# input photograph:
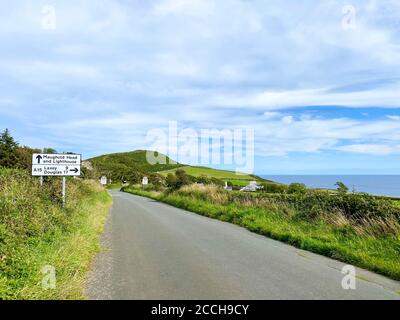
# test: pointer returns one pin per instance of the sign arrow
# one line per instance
(74, 170)
(39, 157)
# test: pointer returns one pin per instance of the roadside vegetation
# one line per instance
(359, 229)
(38, 235)
(36, 231)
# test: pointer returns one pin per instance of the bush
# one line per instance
(209, 180)
(274, 188)
(309, 205)
(297, 188)
(182, 179)
(342, 188)
(203, 179)
(179, 179)
(171, 181)
(352, 205)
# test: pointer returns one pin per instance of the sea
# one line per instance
(387, 185)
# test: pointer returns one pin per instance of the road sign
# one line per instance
(56, 164)
(103, 180)
(62, 159)
(55, 170)
(145, 181)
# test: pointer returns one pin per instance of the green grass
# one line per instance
(129, 161)
(215, 173)
(36, 231)
(114, 186)
(239, 183)
(380, 253)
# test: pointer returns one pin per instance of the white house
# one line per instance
(251, 187)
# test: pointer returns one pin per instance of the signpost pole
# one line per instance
(41, 180)
(63, 190)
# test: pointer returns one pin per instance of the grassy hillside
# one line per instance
(131, 166)
(123, 165)
(235, 178)
(37, 232)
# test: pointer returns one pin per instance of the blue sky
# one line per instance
(320, 91)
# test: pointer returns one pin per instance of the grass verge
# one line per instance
(335, 236)
(35, 232)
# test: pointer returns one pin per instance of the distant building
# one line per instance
(226, 187)
(251, 187)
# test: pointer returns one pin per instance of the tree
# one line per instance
(24, 157)
(8, 150)
(50, 150)
(342, 188)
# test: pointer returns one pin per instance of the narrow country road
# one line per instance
(155, 251)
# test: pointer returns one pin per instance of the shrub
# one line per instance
(338, 209)
(182, 179)
(203, 179)
(297, 188)
(274, 187)
(171, 181)
(342, 188)
(212, 193)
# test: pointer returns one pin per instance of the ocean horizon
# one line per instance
(386, 185)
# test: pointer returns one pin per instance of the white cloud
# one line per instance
(373, 149)
(183, 7)
(271, 114)
(387, 97)
(287, 119)
(128, 66)
(395, 118)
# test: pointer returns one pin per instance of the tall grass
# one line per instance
(358, 229)
(35, 231)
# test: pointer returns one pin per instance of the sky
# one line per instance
(317, 82)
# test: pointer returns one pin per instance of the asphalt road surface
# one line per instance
(155, 251)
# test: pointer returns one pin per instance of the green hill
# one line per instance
(132, 165)
(124, 165)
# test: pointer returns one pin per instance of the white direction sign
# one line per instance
(103, 180)
(56, 164)
(145, 181)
